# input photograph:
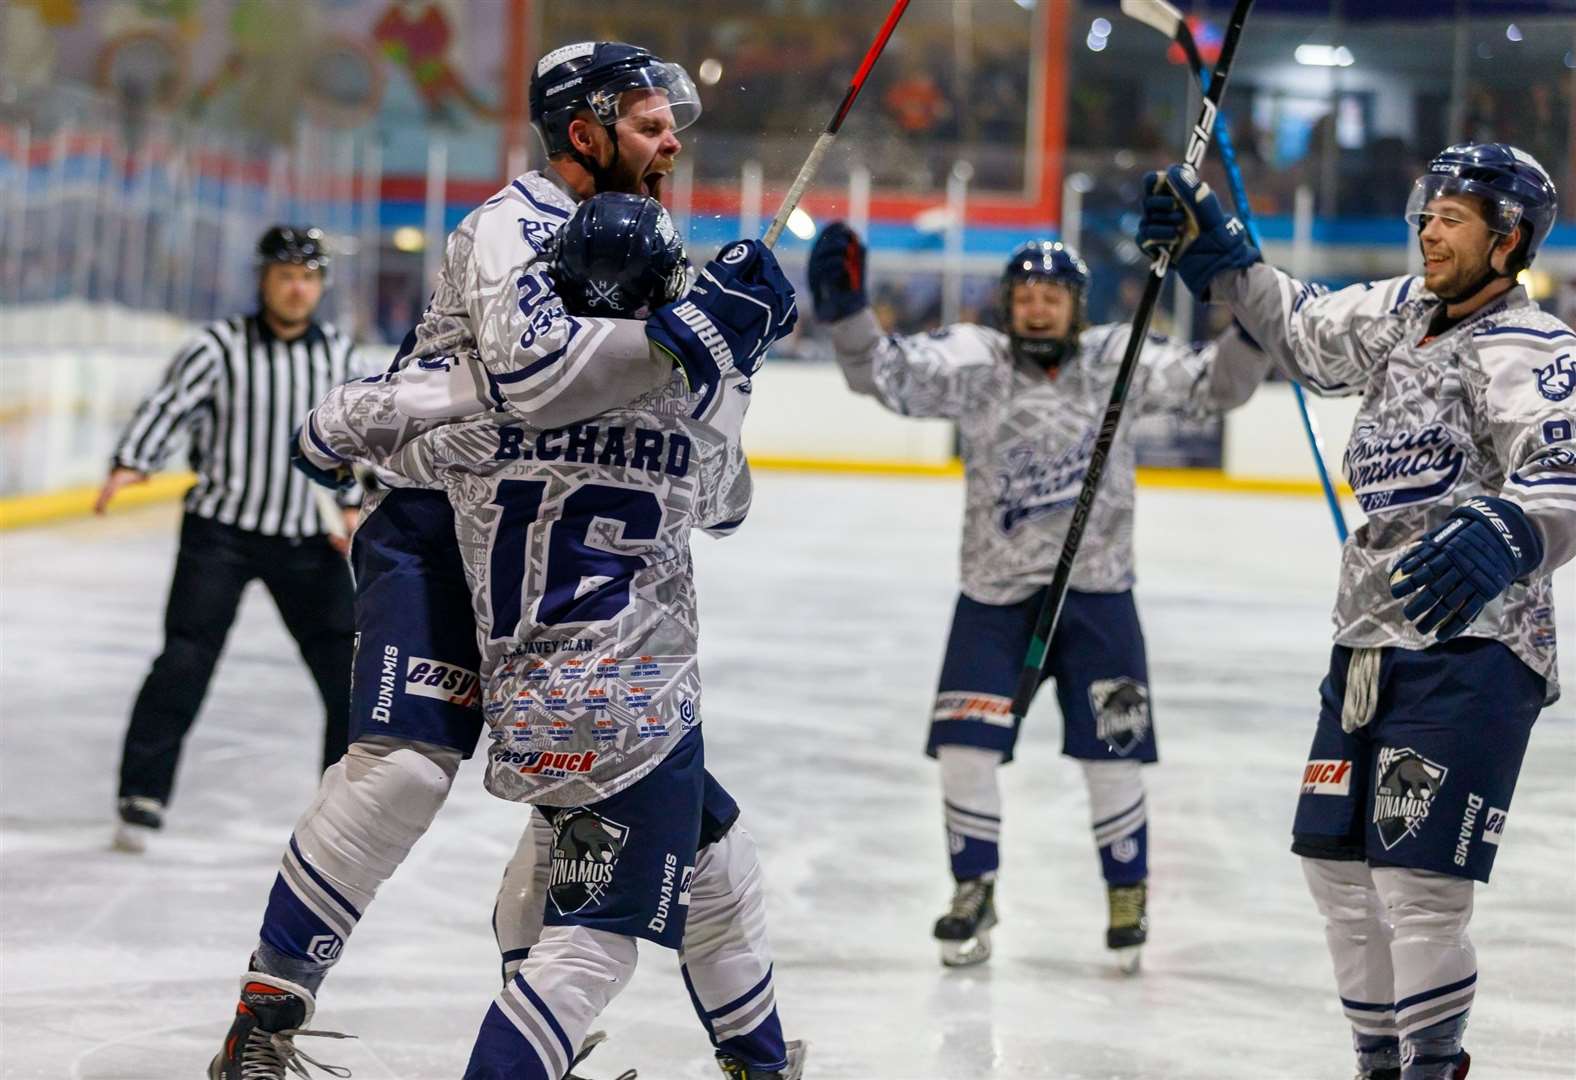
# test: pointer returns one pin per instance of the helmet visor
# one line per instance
(661, 89)
(1500, 211)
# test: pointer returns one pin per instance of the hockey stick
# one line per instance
(1051, 608)
(812, 164)
(1169, 21)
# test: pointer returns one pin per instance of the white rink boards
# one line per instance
(823, 622)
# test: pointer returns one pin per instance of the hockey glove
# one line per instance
(338, 478)
(739, 305)
(1456, 569)
(1182, 214)
(837, 273)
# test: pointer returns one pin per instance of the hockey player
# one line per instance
(608, 114)
(1029, 403)
(1463, 458)
(575, 541)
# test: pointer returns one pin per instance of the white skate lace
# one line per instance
(968, 900)
(269, 1053)
(1362, 689)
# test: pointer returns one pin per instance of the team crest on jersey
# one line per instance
(1389, 469)
(1407, 788)
(1121, 713)
(1557, 380)
(586, 847)
(1032, 484)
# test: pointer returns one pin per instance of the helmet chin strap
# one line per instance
(601, 175)
(1042, 352)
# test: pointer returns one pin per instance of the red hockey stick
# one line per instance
(812, 164)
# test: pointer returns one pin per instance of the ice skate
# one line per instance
(1458, 1070)
(593, 1040)
(261, 1043)
(964, 931)
(140, 818)
(1129, 924)
(734, 1069)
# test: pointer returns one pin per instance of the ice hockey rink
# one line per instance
(823, 623)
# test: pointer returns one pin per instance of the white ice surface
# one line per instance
(823, 626)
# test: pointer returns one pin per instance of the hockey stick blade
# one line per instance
(1050, 609)
(1156, 13)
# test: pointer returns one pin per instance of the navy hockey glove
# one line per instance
(1456, 569)
(338, 478)
(837, 273)
(1181, 213)
(739, 305)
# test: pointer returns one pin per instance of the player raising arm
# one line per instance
(1028, 404)
(1462, 455)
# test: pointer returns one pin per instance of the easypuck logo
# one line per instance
(440, 681)
(1323, 777)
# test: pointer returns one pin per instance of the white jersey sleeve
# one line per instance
(1330, 342)
(938, 374)
(1525, 378)
(546, 367)
(1176, 376)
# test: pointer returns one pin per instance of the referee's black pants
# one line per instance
(310, 583)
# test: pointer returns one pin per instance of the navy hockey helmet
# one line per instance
(593, 75)
(619, 257)
(1513, 188)
(1043, 260)
(303, 246)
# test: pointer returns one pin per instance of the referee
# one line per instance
(238, 390)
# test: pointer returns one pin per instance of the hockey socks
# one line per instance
(971, 801)
(1435, 966)
(545, 1011)
(726, 958)
(371, 807)
(747, 1028)
(1119, 820)
(1357, 931)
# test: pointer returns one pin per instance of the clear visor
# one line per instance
(1501, 213)
(623, 99)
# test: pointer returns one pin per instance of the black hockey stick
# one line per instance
(1045, 625)
(1165, 18)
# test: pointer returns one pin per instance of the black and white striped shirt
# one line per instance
(238, 392)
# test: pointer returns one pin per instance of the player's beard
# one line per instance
(638, 175)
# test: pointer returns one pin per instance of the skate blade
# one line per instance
(1129, 960)
(131, 839)
(966, 953)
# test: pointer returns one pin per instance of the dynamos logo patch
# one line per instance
(1408, 786)
(1387, 470)
(586, 847)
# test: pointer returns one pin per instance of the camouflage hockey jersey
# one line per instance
(1027, 437)
(1486, 408)
(591, 679)
(494, 336)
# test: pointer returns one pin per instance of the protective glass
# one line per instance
(1501, 212)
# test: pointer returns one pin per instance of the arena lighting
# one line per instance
(1538, 283)
(1324, 56)
(801, 224)
(710, 71)
(1096, 44)
(1513, 32)
(409, 238)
